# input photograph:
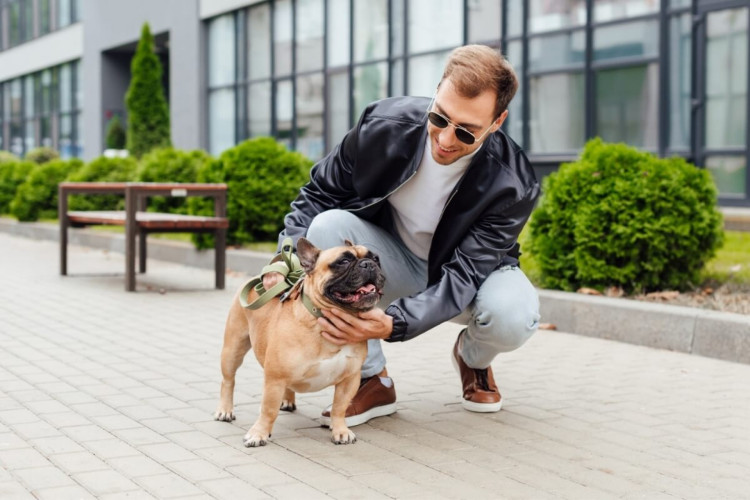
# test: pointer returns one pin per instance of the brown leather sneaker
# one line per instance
(376, 397)
(480, 392)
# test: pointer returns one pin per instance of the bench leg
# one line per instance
(220, 257)
(63, 244)
(142, 251)
(130, 234)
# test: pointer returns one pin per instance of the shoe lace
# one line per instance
(482, 377)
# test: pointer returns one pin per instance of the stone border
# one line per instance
(695, 331)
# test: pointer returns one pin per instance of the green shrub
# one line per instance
(621, 217)
(262, 179)
(42, 155)
(36, 197)
(171, 165)
(148, 112)
(6, 156)
(102, 169)
(12, 175)
(115, 133)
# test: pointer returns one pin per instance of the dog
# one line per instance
(288, 344)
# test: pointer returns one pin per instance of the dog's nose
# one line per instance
(366, 264)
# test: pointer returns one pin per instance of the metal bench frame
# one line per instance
(139, 223)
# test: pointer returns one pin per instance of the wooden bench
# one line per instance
(138, 222)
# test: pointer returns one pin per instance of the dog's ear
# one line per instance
(308, 254)
(348, 243)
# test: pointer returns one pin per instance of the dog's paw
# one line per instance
(288, 405)
(224, 416)
(344, 436)
(253, 440)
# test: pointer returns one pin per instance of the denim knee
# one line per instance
(331, 228)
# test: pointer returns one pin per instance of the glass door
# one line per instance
(722, 99)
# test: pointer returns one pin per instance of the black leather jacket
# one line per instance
(479, 227)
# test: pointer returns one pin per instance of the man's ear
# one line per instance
(500, 119)
(308, 254)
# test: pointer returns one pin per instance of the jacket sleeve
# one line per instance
(478, 255)
(330, 186)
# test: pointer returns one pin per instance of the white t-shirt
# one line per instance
(418, 204)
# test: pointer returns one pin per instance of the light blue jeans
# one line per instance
(503, 316)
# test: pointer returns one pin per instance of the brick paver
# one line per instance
(108, 394)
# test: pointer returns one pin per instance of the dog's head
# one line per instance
(348, 276)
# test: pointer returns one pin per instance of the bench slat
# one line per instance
(148, 220)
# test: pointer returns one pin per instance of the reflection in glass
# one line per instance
(65, 137)
(282, 37)
(370, 84)
(284, 112)
(259, 42)
(557, 51)
(397, 27)
(609, 10)
(63, 13)
(29, 94)
(627, 104)
(338, 107)
(221, 118)
(397, 78)
(44, 16)
(679, 82)
(549, 16)
(514, 123)
(515, 17)
(370, 30)
(676, 4)
(338, 38)
(634, 39)
(259, 109)
(65, 97)
(310, 139)
(557, 121)
(309, 35)
(726, 78)
(485, 19)
(221, 70)
(425, 73)
(730, 175)
(435, 24)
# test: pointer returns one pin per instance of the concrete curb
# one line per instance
(694, 331)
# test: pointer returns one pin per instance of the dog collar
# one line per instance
(315, 311)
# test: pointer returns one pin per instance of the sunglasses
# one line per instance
(462, 134)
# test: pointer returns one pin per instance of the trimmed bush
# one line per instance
(262, 179)
(42, 155)
(148, 112)
(12, 175)
(115, 133)
(6, 156)
(622, 217)
(36, 197)
(171, 165)
(102, 169)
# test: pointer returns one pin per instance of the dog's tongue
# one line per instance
(367, 289)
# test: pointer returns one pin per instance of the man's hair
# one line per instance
(473, 69)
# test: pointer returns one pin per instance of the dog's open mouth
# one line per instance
(368, 291)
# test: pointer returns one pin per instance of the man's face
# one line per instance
(474, 114)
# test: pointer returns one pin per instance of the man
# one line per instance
(440, 193)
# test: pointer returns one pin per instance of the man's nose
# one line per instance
(447, 135)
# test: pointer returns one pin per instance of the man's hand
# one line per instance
(271, 279)
(341, 327)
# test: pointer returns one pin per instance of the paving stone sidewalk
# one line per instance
(108, 394)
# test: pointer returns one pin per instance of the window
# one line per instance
(485, 19)
(370, 30)
(557, 103)
(627, 105)
(282, 37)
(309, 112)
(222, 79)
(610, 10)
(435, 24)
(680, 40)
(634, 39)
(338, 32)
(309, 42)
(560, 14)
(370, 84)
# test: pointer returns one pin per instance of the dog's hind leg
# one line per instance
(273, 393)
(288, 403)
(236, 345)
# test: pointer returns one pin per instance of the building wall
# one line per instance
(113, 23)
(50, 50)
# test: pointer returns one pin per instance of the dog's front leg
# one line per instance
(342, 396)
(288, 403)
(273, 393)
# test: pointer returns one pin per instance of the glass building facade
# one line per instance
(43, 109)
(25, 20)
(667, 76)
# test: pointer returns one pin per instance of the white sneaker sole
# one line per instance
(471, 405)
(355, 420)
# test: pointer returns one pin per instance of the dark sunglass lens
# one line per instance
(464, 136)
(437, 120)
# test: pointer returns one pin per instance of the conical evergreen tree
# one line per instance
(148, 112)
